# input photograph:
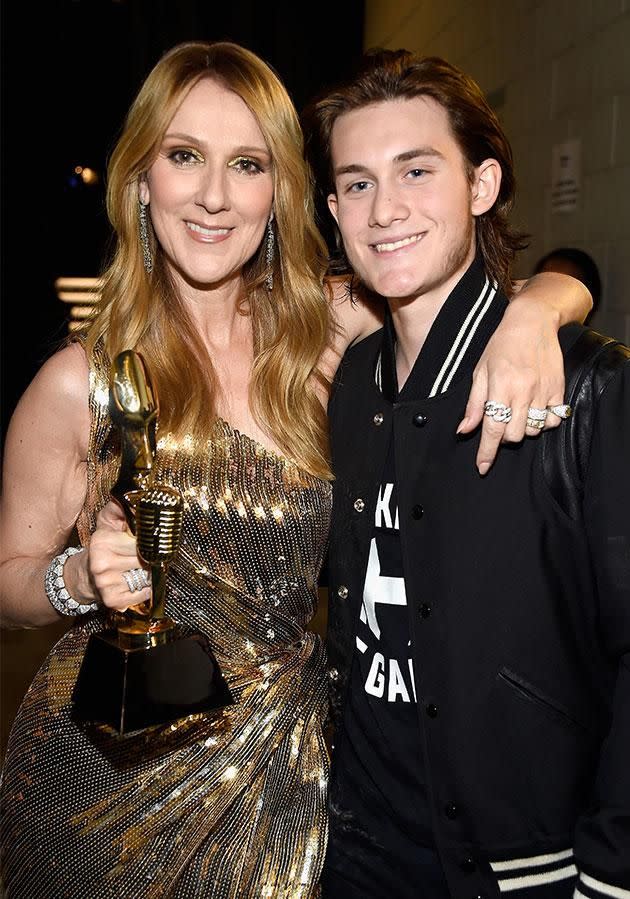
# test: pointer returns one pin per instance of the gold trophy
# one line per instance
(146, 670)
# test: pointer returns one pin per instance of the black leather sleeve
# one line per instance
(590, 361)
(602, 846)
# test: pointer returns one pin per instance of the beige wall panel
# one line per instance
(621, 137)
(616, 288)
(383, 20)
(595, 125)
(610, 52)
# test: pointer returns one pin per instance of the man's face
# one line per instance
(404, 203)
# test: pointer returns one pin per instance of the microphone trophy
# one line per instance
(146, 670)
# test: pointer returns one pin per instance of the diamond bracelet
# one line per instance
(56, 590)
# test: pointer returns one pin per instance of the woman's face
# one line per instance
(210, 189)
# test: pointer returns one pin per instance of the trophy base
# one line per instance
(131, 687)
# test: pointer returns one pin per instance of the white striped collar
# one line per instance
(456, 340)
(463, 338)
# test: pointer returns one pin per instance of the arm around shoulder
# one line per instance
(355, 313)
(44, 484)
(561, 296)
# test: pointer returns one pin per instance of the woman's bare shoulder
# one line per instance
(356, 314)
(57, 397)
(66, 371)
(357, 311)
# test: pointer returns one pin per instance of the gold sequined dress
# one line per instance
(229, 804)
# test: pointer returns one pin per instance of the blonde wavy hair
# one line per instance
(291, 324)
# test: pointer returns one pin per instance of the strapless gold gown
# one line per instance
(229, 804)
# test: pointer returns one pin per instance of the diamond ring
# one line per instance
(563, 410)
(136, 579)
(498, 412)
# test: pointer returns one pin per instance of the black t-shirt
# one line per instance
(381, 839)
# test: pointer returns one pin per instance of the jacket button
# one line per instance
(431, 710)
(378, 418)
(417, 512)
(425, 610)
(359, 505)
(333, 674)
(342, 592)
(468, 865)
(419, 420)
(451, 811)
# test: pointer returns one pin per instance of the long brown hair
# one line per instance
(291, 325)
(398, 74)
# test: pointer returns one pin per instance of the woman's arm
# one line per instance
(44, 487)
(522, 364)
(44, 484)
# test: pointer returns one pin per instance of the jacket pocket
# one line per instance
(534, 694)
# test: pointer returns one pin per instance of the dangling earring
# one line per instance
(271, 242)
(144, 238)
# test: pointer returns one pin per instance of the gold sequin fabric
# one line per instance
(226, 804)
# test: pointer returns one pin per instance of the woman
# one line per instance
(222, 295)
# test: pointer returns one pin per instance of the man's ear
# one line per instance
(485, 186)
(143, 190)
(332, 205)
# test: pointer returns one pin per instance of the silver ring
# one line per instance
(536, 414)
(136, 579)
(535, 423)
(563, 410)
(498, 412)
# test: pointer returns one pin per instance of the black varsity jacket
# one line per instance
(519, 608)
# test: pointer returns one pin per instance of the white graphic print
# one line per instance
(387, 678)
(381, 589)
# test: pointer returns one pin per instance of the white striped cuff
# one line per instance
(604, 889)
(535, 870)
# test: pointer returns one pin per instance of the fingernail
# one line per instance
(461, 426)
(483, 467)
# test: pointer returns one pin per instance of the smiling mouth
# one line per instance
(208, 232)
(397, 244)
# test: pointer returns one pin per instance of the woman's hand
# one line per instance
(522, 366)
(111, 554)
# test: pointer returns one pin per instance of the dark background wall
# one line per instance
(85, 60)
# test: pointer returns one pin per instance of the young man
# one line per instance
(479, 627)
